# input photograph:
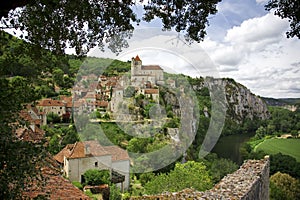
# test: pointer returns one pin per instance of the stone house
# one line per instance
(77, 158)
(143, 74)
(150, 93)
(52, 106)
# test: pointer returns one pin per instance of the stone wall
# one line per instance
(250, 181)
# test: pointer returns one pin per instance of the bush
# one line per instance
(115, 193)
(78, 185)
(96, 177)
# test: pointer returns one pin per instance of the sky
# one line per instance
(244, 42)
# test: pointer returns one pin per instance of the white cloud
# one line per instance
(257, 54)
(258, 29)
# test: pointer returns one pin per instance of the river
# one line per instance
(229, 146)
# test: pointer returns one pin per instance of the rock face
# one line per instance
(240, 102)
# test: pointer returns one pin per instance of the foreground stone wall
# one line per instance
(250, 181)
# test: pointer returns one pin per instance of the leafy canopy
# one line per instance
(83, 24)
(188, 175)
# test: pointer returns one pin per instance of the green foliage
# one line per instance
(78, 185)
(219, 167)
(96, 177)
(20, 161)
(114, 192)
(284, 164)
(138, 145)
(289, 10)
(146, 177)
(260, 132)
(188, 175)
(114, 133)
(284, 186)
(283, 120)
(53, 118)
(112, 26)
(59, 137)
(173, 123)
(102, 66)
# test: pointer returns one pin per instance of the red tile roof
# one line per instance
(151, 67)
(50, 102)
(102, 103)
(137, 58)
(29, 135)
(151, 91)
(25, 115)
(117, 153)
(78, 150)
(54, 186)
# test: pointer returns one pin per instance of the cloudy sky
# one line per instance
(249, 44)
(243, 42)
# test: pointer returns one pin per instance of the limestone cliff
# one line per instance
(240, 102)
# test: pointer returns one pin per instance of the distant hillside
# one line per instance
(281, 101)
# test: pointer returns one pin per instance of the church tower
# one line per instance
(136, 65)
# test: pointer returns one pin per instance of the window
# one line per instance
(96, 164)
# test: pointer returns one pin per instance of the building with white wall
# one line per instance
(77, 158)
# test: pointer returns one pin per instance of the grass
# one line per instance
(289, 147)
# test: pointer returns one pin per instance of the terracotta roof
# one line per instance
(137, 58)
(78, 150)
(50, 102)
(102, 103)
(117, 153)
(54, 186)
(151, 91)
(24, 114)
(151, 67)
(65, 98)
(29, 135)
(64, 152)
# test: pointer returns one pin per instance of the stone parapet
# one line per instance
(250, 181)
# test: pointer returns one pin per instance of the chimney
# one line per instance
(87, 149)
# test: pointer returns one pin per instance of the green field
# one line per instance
(289, 147)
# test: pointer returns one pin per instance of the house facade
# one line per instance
(143, 74)
(77, 158)
(52, 106)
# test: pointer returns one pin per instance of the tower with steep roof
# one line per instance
(136, 65)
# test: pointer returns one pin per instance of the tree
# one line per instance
(289, 9)
(58, 76)
(260, 132)
(20, 161)
(219, 167)
(96, 177)
(284, 186)
(188, 175)
(284, 164)
(83, 24)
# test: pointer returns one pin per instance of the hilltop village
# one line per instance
(105, 94)
(92, 93)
